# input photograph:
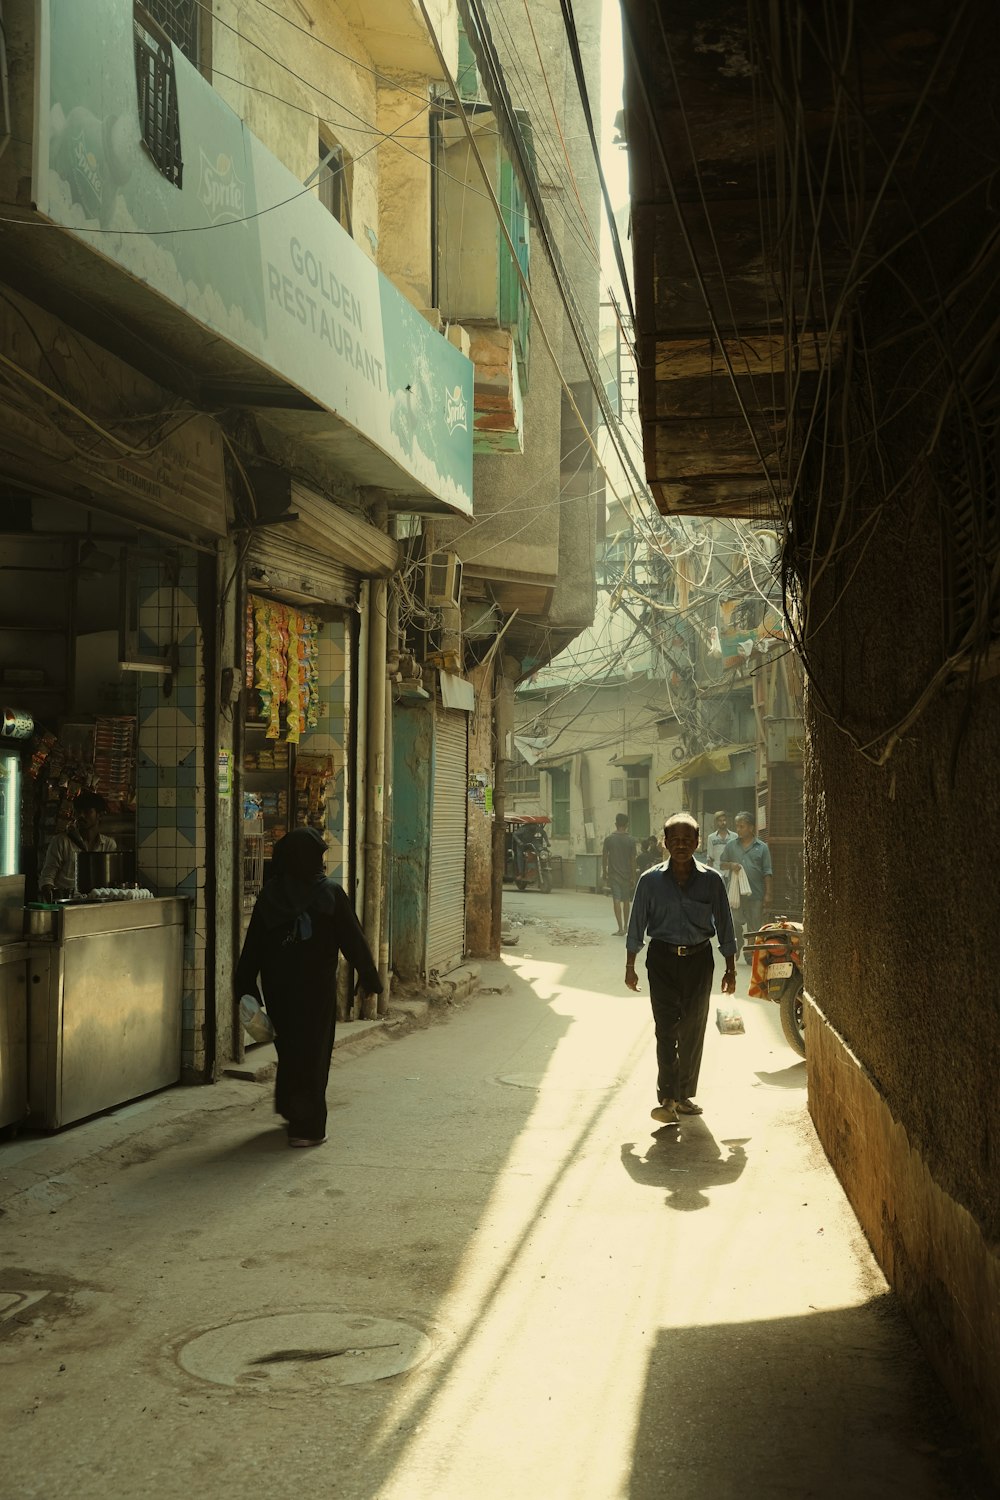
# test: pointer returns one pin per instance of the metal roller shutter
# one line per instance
(445, 943)
(298, 571)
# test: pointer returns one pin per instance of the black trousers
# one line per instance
(680, 989)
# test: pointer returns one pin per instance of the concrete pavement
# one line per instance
(499, 1278)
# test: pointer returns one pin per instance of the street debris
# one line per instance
(729, 1022)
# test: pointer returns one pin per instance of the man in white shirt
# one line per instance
(58, 873)
(717, 840)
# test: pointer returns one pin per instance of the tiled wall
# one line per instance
(171, 800)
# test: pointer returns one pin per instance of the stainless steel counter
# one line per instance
(13, 1033)
(104, 1007)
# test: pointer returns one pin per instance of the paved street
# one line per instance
(562, 1300)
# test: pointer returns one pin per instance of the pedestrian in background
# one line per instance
(301, 923)
(619, 870)
(718, 839)
(651, 853)
(747, 852)
(681, 905)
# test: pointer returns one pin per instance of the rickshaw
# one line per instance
(526, 852)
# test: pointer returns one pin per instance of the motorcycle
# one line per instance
(777, 950)
(527, 863)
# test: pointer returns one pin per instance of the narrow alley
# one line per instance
(498, 1278)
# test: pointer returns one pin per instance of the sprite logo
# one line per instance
(85, 164)
(220, 190)
(455, 411)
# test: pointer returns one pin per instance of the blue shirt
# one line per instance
(755, 859)
(682, 915)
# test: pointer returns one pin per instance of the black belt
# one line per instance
(684, 950)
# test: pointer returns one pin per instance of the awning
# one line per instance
(709, 763)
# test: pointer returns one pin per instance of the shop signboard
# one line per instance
(213, 223)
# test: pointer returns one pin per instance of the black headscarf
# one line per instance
(297, 886)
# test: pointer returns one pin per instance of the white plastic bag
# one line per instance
(739, 885)
(256, 1022)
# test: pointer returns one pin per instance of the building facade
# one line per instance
(224, 396)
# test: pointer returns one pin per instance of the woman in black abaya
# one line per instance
(301, 923)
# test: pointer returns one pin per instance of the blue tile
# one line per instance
(147, 773)
(186, 774)
(187, 821)
(189, 762)
(145, 819)
(186, 697)
(188, 887)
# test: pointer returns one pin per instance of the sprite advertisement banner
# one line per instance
(227, 233)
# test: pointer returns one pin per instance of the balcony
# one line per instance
(478, 283)
(185, 242)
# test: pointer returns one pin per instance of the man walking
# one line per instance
(717, 840)
(681, 906)
(746, 851)
(619, 870)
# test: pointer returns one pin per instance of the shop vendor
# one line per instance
(58, 873)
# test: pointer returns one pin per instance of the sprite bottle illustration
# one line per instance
(92, 157)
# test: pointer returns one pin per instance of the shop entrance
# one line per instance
(295, 733)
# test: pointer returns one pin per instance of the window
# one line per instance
(335, 175)
(178, 20)
(522, 780)
(560, 804)
(156, 91)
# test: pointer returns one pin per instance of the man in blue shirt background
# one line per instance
(746, 850)
(681, 905)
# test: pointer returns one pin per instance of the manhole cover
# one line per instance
(300, 1349)
(581, 1083)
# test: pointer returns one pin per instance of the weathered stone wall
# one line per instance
(900, 857)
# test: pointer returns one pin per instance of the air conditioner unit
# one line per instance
(443, 578)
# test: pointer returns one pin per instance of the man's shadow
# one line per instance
(684, 1160)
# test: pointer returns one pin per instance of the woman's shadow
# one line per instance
(684, 1161)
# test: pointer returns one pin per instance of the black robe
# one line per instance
(298, 986)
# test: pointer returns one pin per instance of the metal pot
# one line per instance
(95, 870)
(41, 919)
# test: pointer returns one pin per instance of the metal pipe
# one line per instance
(504, 722)
(392, 668)
(375, 764)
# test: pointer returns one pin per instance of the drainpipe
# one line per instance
(391, 670)
(375, 768)
(504, 720)
(5, 139)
